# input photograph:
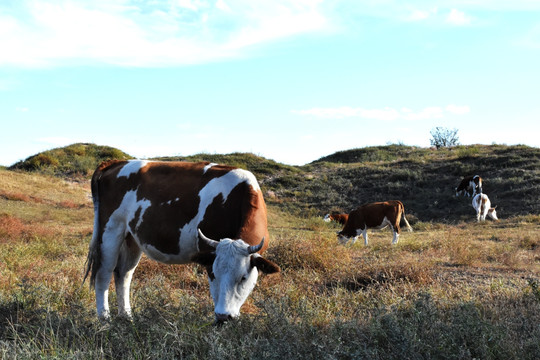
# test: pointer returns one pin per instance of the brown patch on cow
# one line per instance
(133, 223)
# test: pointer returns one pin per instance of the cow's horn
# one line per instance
(206, 240)
(254, 248)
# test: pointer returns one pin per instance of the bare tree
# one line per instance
(443, 137)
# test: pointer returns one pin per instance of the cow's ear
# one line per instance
(264, 265)
(204, 258)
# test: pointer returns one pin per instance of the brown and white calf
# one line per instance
(339, 218)
(160, 208)
(482, 205)
(376, 215)
(470, 185)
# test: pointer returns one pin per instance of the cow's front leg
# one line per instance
(365, 236)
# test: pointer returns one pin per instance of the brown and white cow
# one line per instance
(158, 208)
(482, 205)
(470, 185)
(339, 218)
(376, 215)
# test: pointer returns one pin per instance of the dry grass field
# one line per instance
(446, 291)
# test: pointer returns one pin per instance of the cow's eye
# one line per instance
(244, 278)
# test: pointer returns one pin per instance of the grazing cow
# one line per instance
(158, 208)
(470, 184)
(482, 205)
(339, 218)
(374, 216)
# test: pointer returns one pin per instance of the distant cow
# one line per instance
(339, 218)
(482, 205)
(374, 216)
(470, 185)
(160, 208)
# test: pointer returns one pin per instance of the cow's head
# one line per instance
(233, 269)
(493, 213)
(343, 237)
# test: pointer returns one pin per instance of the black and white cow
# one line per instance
(470, 186)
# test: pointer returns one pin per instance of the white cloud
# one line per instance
(456, 17)
(146, 33)
(22, 109)
(458, 110)
(386, 114)
(222, 5)
(419, 15)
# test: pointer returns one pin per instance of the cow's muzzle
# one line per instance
(223, 318)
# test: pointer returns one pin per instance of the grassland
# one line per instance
(452, 289)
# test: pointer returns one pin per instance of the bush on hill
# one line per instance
(74, 160)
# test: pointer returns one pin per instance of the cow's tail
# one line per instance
(482, 208)
(409, 228)
(93, 260)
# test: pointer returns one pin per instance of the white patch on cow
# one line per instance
(113, 237)
(132, 167)
(207, 167)
(327, 218)
(129, 206)
(234, 279)
(153, 253)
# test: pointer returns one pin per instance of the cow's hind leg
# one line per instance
(128, 259)
(396, 229)
(395, 239)
(112, 240)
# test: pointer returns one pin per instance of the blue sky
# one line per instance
(288, 80)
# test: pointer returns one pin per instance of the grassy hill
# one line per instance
(79, 159)
(423, 178)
